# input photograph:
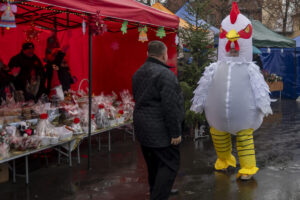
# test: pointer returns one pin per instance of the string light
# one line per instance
(55, 10)
(168, 31)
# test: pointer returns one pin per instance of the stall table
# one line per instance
(70, 145)
(276, 86)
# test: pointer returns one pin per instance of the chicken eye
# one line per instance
(247, 29)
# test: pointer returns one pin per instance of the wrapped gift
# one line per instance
(44, 127)
(76, 126)
(84, 113)
(128, 104)
(101, 117)
(4, 145)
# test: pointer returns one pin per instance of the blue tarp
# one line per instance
(182, 13)
(285, 63)
(297, 41)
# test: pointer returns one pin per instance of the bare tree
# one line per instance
(279, 14)
(175, 5)
(221, 8)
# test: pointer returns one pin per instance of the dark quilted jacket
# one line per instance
(159, 108)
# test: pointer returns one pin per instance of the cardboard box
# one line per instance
(4, 173)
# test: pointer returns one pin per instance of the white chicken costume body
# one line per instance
(234, 95)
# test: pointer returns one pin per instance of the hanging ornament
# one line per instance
(98, 25)
(8, 18)
(83, 27)
(161, 32)
(143, 34)
(32, 33)
(124, 27)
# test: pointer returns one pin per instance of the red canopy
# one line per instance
(130, 10)
(115, 56)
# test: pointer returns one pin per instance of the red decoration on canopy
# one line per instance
(97, 24)
(234, 12)
(32, 34)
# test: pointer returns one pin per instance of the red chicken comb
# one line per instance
(234, 12)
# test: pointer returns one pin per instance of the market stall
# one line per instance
(278, 58)
(121, 31)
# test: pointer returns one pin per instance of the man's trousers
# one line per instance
(163, 165)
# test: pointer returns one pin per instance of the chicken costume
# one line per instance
(234, 95)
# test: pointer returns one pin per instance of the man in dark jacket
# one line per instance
(31, 76)
(158, 116)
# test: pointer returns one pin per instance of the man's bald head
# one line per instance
(158, 50)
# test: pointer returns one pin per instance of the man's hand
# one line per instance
(55, 67)
(15, 71)
(176, 141)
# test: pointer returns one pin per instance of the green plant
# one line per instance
(199, 41)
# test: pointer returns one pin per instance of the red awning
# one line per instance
(130, 10)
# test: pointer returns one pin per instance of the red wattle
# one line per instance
(228, 46)
(236, 45)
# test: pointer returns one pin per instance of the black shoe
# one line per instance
(174, 192)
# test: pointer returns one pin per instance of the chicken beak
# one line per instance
(232, 35)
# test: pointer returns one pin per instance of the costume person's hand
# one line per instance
(176, 141)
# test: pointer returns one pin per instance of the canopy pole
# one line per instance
(68, 19)
(295, 69)
(90, 97)
(55, 25)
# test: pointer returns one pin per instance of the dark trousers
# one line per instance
(163, 165)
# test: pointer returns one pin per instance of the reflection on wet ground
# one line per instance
(121, 174)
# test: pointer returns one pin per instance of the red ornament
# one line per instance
(44, 116)
(97, 24)
(93, 116)
(121, 112)
(29, 132)
(101, 106)
(32, 34)
(234, 12)
(76, 120)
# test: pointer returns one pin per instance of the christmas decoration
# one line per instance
(55, 10)
(161, 32)
(97, 24)
(143, 34)
(115, 46)
(8, 17)
(124, 27)
(83, 27)
(32, 33)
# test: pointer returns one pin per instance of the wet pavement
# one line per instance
(121, 174)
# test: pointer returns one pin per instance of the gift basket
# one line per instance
(44, 129)
(99, 108)
(25, 143)
(63, 133)
(128, 105)
(85, 120)
(76, 126)
(4, 144)
(111, 105)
